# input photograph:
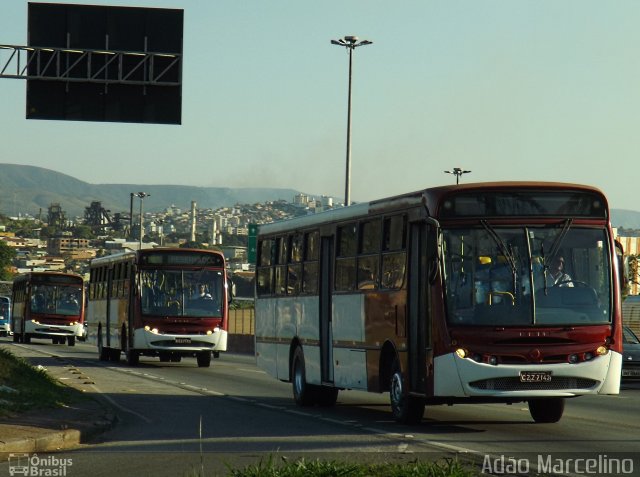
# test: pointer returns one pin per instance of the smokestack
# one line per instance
(193, 220)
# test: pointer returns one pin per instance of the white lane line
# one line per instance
(121, 407)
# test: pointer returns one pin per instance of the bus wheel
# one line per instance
(546, 410)
(304, 394)
(71, 341)
(131, 355)
(114, 355)
(204, 359)
(326, 396)
(165, 356)
(26, 338)
(406, 409)
(175, 358)
(103, 352)
(16, 337)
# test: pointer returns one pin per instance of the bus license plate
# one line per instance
(535, 376)
(183, 340)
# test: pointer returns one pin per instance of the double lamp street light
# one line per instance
(141, 195)
(350, 43)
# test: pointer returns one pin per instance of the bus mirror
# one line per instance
(623, 266)
(432, 244)
(232, 291)
(432, 253)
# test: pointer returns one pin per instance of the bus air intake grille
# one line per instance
(514, 384)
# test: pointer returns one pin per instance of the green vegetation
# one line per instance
(335, 468)
(23, 387)
(7, 254)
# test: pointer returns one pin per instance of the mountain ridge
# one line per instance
(32, 189)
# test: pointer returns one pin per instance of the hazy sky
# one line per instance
(510, 89)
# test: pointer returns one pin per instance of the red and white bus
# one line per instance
(161, 302)
(445, 296)
(48, 305)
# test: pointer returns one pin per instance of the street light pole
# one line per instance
(458, 172)
(142, 195)
(349, 42)
(131, 215)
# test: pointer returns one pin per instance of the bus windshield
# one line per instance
(518, 276)
(56, 299)
(195, 293)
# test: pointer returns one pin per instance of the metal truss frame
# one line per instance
(98, 66)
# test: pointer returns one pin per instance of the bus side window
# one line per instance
(310, 267)
(345, 268)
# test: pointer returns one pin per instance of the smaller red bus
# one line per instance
(48, 305)
(165, 302)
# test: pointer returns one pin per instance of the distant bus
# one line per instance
(5, 316)
(162, 302)
(445, 296)
(48, 305)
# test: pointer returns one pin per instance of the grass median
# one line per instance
(24, 387)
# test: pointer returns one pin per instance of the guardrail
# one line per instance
(242, 321)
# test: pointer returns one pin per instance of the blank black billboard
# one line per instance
(91, 63)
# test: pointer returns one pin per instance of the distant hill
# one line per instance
(30, 189)
(629, 219)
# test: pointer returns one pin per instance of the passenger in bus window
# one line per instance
(202, 293)
(38, 302)
(557, 273)
(71, 302)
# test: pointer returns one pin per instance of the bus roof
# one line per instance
(45, 274)
(430, 197)
(116, 257)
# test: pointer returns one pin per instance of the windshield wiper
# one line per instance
(555, 247)
(506, 251)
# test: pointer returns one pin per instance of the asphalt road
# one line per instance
(176, 417)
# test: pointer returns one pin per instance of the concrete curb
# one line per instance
(35, 437)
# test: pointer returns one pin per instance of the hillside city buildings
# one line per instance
(225, 228)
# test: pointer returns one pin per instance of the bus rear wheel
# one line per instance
(71, 341)
(303, 394)
(546, 410)
(406, 409)
(131, 355)
(103, 352)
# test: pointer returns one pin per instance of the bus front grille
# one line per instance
(513, 384)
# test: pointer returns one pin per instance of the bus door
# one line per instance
(326, 287)
(419, 320)
(109, 272)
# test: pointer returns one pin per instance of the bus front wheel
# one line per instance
(71, 341)
(204, 359)
(406, 409)
(546, 410)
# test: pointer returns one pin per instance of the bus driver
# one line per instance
(556, 271)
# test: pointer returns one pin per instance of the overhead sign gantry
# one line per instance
(95, 63)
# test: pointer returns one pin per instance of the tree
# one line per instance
(7, 254)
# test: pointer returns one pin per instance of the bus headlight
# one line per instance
(602, 350)
(209, 332)
(462, 353)
(573, 358)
